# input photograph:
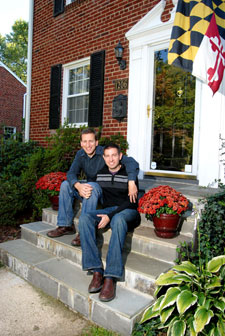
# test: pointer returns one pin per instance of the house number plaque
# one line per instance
(121, 84)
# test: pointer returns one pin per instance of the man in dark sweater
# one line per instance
(118, 212)
(90, 160)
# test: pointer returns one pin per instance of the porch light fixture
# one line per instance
(119, 55)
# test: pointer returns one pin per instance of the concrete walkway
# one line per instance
(26, 311)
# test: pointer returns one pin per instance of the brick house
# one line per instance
(173, 125)
(12, 91)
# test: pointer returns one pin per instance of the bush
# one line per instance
(14, 155)
(211, 235)
(119, 139)
(12, 200)
(13, 161)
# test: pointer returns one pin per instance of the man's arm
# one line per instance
(74, 171)
(132, 168)
(105, 219)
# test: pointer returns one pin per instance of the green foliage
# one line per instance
(62, 148)
(13, 49)
(190, 299)
(211, 231)
(14, 155)
(97, 331)
(148, 328)
(119, 139)
(14, 200)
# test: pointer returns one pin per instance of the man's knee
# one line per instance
(65, 187)
(118, 222)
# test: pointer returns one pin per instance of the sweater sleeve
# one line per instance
(75, 168)
(132, 167)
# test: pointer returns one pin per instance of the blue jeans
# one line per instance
(66, 199)
(91, 256)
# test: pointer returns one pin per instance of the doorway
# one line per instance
(173, 112)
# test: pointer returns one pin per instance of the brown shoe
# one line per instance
(76, 240)
(61, 231)
(96, 283)
(108, 291)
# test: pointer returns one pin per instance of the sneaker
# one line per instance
(61, 231)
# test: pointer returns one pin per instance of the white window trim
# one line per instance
(66, 68)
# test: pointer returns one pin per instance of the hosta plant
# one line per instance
(190, 299)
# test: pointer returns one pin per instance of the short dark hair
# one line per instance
(88, 131)
(112, 145)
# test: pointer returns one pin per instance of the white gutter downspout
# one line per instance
(29, 69)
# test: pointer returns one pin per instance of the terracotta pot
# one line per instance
(54, 202)
(166, 225)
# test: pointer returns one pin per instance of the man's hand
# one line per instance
(132, 191)
(84, 189)
(104, 221)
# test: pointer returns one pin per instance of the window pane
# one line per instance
(78, 109)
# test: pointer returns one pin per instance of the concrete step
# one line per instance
(140, 270)
(66, 282)
(143, 240)
(186, 224)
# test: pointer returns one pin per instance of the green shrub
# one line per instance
(211, 231)
(12, 200)
(119, 139)
(14, 155)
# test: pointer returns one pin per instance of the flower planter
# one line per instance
(54, 202)
(166, 225)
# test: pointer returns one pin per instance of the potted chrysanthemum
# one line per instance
(164, 206)
(51, 183)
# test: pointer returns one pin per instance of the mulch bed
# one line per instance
(9, 233)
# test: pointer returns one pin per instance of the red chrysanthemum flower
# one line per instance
(162, 199)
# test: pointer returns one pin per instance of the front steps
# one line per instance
(54, 266)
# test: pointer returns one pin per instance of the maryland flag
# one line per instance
(198, 40)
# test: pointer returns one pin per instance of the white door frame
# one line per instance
(148, 35)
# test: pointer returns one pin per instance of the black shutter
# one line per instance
(55, 88)
(58, 7)
(96, 93)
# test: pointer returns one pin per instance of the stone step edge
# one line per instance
(137, 236)
(134, 234)
(48, 212)
(19, 265)
(132, 277)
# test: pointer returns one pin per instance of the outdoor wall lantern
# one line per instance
(119, 55)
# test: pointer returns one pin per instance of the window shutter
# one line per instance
(58, 7)
(55, 88)
(96, 93)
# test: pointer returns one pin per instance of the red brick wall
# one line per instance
(11, 100)
(85, 27)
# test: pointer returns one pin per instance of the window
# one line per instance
(9, 131)
(76, 93)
